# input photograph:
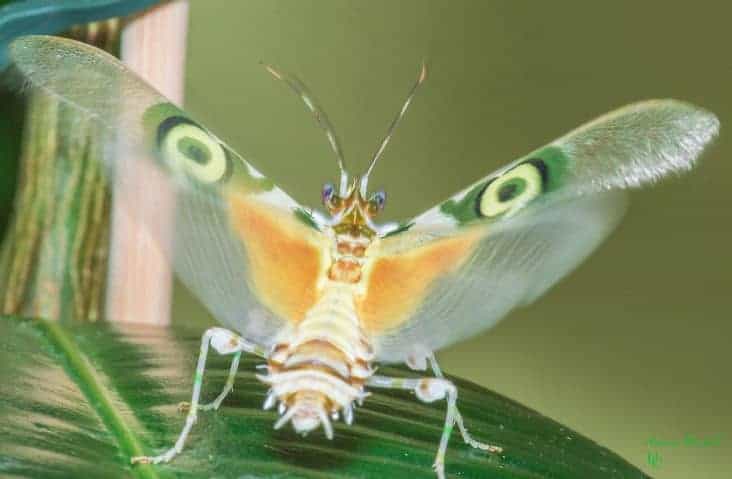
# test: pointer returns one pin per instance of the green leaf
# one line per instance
(79, 402)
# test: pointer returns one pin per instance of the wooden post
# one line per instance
(140, 280)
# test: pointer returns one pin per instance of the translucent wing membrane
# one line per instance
(226, 210)
(459, 267)
(491, 273)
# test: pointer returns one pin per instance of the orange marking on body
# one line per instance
(396, 284)
(347, 247)
(344, 248)
(285, 259)
(319, 347)
(345, 271)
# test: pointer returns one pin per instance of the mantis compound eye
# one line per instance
(327, 194)
(377, 202)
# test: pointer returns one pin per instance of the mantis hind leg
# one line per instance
(216, 403)
(430, 390)
(224, 342)
(469, 440)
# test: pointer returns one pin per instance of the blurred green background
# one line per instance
(635, 345)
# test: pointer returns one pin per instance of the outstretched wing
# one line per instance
(502, 242)
(242, 245)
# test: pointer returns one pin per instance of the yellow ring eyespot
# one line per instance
(512, 190)
(187, 147)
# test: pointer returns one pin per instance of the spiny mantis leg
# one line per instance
(224, 342)
(216, 403)
(427, 390)
(459, 418)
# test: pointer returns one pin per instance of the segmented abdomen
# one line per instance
(318, 369)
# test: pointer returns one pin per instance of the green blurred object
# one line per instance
(11, 121)
(53, 258)
(27, 17)
(80, 402)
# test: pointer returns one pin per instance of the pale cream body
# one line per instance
(318, 366)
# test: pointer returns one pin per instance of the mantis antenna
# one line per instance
(392, 127)
(320, 118)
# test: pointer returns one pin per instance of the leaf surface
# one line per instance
(79, 402)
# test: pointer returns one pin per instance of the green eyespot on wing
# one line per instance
(510, 189)
(535, 219)
(186, 148)
(189, 149)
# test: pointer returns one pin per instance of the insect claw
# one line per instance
(281, 408)
(269, 401)
(265, 379)
(348, 414)
(140, 460)
(283, 420)
(362, 397)
(327, 426)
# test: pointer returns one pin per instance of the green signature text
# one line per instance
(656, 445)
